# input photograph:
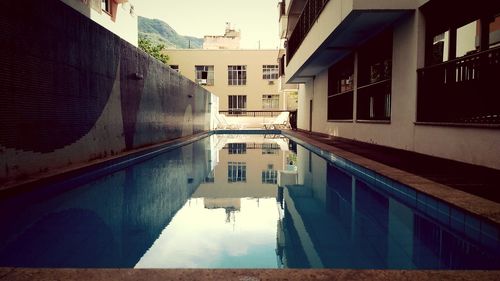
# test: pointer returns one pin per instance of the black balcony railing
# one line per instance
(252, 113)
(464, 90)
(311, 11)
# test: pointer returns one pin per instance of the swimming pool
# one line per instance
(242, 201)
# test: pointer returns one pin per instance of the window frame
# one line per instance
(236, 75)
(374, 79)
(199, 70)
(270, 72)
(106, 6)
(238, 100)
(236, 172)
(340, 98)
(270, 100)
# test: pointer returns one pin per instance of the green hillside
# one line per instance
(159, 32)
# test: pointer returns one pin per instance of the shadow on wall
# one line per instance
(59, 75)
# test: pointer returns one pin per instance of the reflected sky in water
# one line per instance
(201, 237)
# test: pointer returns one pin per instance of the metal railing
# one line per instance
(464, 90)
(310, 13)
(252, 113)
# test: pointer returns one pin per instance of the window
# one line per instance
(237, 103)
(374, 79)
(237, 75)
(467, 39)
(270, 72)
(468, 31)
(106, 6)
(494, 32)
(270, 148)
(440, 47)
(340, 90)
(237, 148)
(175, 67)
(461, 65)
(270, 176)
(204, 74)
(270, 101)
(236, 172)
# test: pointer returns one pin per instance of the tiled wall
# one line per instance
(71, 91)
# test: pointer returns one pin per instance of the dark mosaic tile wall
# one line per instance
(58, 72)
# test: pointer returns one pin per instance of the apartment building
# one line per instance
(417, 75)
(117, 16)
(242, 79)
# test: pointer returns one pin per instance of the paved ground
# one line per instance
(480, 181)
(21, 274)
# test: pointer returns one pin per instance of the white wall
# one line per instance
(479, 146)
(123, 23)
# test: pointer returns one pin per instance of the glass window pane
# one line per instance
(440, 47)
(495, 32)
(468, 38)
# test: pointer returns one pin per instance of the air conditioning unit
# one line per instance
(202, 81)
(270, 82)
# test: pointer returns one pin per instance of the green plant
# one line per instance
(153, 49)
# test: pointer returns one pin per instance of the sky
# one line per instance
(256, 19)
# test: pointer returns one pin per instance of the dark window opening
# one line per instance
(237, 148)
(458, 84)
(237, 103)
(374, 79)
(106, 6)
(340, 90)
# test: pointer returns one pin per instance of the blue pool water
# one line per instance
(241, 201)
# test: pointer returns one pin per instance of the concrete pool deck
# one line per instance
(23, 274)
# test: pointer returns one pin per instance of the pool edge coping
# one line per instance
(122, 159)
(22, 274)
(471, 203)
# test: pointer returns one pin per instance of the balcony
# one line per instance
(328, 30)
(309, 14)
(461, 91)
(283, 20)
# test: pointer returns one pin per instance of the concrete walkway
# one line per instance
(20, 274)
(481, 181)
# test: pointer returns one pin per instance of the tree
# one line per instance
(152, 49)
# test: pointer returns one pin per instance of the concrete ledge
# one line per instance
(247, 131)
(23, 274)
(473, 204)
(98, 167)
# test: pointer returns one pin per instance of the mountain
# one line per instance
(159, 32)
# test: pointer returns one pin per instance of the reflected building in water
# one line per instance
(333, 219)
(246, 166)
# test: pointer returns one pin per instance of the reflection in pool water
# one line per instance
(232, 201)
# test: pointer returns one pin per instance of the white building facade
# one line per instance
(417, 75)
(118, 16)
